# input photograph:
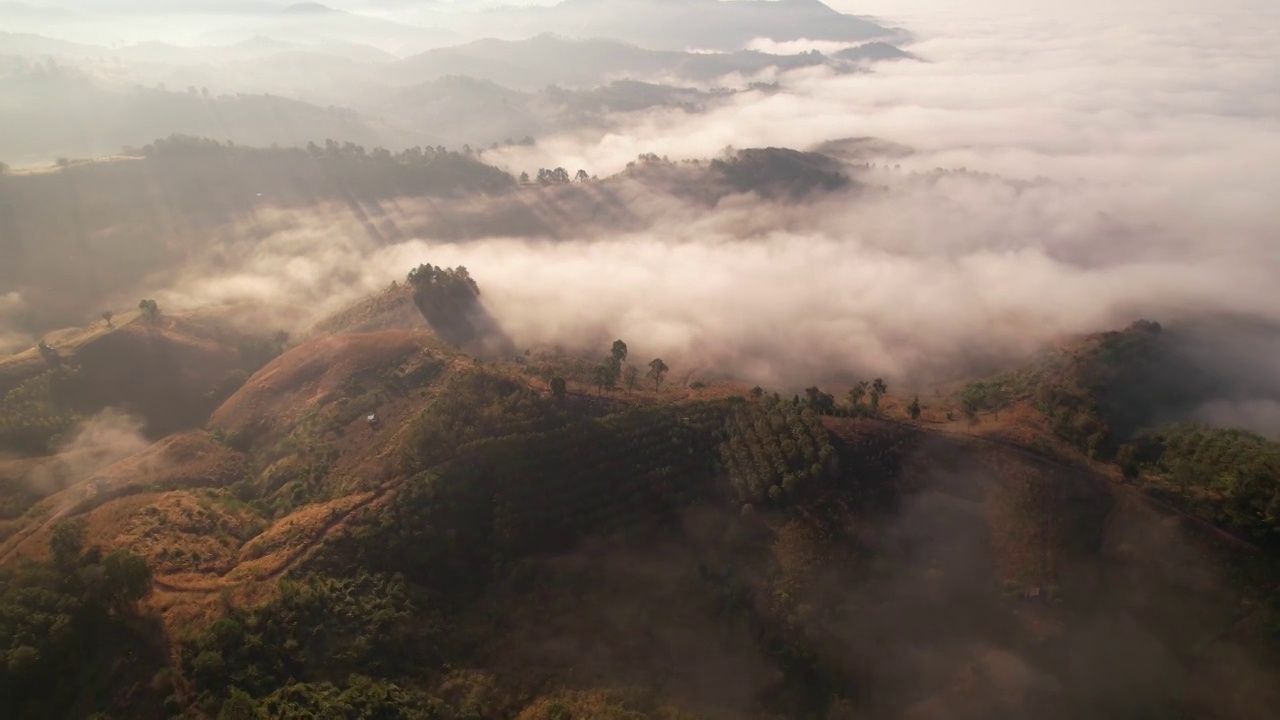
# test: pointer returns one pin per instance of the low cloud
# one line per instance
(1257, 415)
(924, 279)
(1120, 166)
(99, 441)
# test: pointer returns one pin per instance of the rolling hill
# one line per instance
(61, 112)
(474, 547)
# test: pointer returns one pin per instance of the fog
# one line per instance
(101, 440)
(1121, 166)
(105, 438)
(1041, 171)
(1155, 131)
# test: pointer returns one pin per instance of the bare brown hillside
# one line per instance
(930, 565)
(178, 462)
(306, 377)
(392, 309)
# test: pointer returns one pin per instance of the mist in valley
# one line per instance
(1088, 197)
(768, 196)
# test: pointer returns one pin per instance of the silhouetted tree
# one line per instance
(126, 579)
(583, 176)
(657, 372)
(820, 402)
(150, 310)
(604, 377)
(613, 361)
(878, 389)
(914, 408)
(856, 393)
(558, 388)
(107, 316)
(632, 377)
(524, 177)
(66, 542)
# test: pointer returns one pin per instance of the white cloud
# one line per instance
(1156, 134)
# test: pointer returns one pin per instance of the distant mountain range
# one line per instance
(551, 59)
(289, 74)
(672, 24)
(465, 109)
(722, 25)
(47, 113)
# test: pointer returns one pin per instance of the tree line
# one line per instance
(557, 176)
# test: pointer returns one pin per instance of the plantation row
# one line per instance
(527, 492)
(773, 450)
(43, 407)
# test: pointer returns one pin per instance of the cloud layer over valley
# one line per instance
(1130, 161)
(1119, 165)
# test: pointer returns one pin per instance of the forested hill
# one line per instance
(376, 524)
(85, 229)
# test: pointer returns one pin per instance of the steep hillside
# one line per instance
(392, 309)
(169, 373)
(379, 520)
(1121, 395)
(311, 376)
(514, 545)
(179, 462)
